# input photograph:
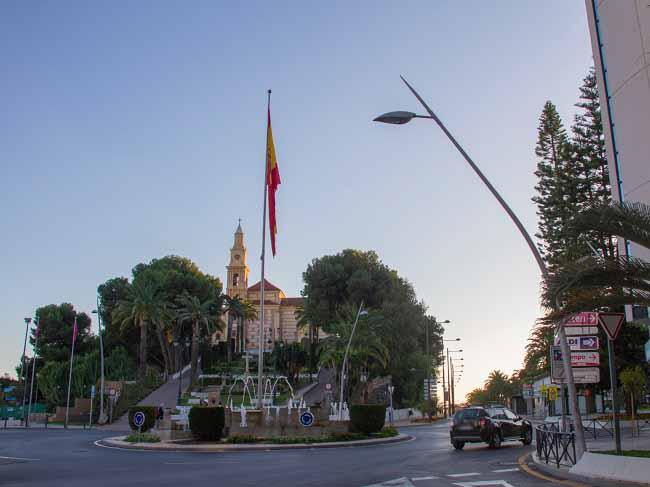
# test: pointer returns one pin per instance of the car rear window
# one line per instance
(472, 413)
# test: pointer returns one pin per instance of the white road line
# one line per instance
(501, 483)
(417, 479)
(19, 458)
(470, 474)
(504, 470)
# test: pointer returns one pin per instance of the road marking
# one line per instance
(470, 474)
(400, 482)
(502, 483)
(19, 458)
(504, 470)
(417, 479)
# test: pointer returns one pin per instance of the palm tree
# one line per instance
(144, 306)
(247, 312)
(191, 309)
(233, 306)
(302, 323)
(367, 350)
(497, 386)
(539, 343)
(593, 283)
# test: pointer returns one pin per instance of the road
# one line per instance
(70, 458)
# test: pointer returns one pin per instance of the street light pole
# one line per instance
(31, 383)
(24, 368)
(102, 418)
(404, 117)
(345, 359)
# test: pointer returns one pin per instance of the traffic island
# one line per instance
(257, 445)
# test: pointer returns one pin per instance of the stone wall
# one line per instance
(281, 422)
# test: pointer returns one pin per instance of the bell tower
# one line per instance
(237, 269)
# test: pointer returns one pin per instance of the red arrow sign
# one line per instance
(611, 323)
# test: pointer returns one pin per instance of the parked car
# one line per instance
(489, 424)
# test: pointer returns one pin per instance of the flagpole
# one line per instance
(67, 403)
(260, 356)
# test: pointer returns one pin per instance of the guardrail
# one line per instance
(554, 446)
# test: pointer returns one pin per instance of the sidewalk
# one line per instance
(605, 468)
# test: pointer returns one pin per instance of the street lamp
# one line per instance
(24, 368)
(402, 117)
(345, 358)
(102, 419)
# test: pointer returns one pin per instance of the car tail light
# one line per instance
(482, 422)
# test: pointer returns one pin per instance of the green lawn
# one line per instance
(628, 453)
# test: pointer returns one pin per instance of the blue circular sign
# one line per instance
(307, 418)
(138, 419)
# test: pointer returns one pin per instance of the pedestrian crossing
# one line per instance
(459, 479)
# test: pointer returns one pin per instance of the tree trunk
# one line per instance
(142, 369)
(163, 349)
(195, 351)
(229, 341)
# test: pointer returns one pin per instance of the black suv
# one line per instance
(488, 424)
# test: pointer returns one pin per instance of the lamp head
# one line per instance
(395, 118)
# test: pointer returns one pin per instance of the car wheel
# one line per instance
(528, 436)
(495, 441)
(458, 445)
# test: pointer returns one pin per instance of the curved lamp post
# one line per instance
(402, 117)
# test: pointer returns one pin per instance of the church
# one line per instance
(280, 322)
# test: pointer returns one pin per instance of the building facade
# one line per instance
(280, 321)
(620, 40)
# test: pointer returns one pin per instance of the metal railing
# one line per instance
(554, 446)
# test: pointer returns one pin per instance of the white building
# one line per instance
(620, 39)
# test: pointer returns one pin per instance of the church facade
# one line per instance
(280, 322)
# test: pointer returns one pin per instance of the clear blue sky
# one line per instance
(132, 130)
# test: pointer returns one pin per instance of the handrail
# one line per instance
(554, 446)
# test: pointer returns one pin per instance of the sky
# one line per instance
(134, 130)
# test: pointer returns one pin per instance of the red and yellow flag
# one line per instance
(272, 180)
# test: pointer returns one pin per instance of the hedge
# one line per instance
(367, 418)
(206, 423)
(150, 413)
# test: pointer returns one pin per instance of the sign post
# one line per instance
(90, 415)
(611, 323)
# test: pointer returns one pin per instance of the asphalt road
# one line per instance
(70, 458)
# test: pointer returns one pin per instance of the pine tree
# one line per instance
(589, 156)
(556, 186)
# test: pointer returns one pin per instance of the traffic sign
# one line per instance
(580, 330)
(92, 392)
(328, 387)
(581, 375)
(138, 419)
(580, 343)
(307, 418)
(582, 319)
(579, 359)
(611, 323)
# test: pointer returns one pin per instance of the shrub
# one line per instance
(236, 439)
(150, 413)
(387, 432)
(207, 423)
(142, 438)
(367, 418)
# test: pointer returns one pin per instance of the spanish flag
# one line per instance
(272, 180)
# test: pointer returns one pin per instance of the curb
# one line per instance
(118, 443)
(530, 464)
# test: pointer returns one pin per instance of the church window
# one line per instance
(235, 280)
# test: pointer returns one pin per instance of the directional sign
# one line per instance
(578, 359)
(580, 343)
(307, 418)
(611, 323)
(581, 375)
(580, 330)
(585, 318)
(92, 392)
